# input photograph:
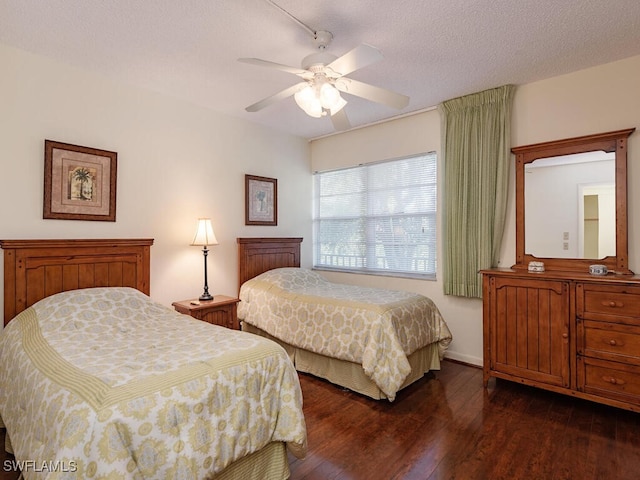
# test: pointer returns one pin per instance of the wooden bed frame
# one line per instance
(35, 269)
(260, 254)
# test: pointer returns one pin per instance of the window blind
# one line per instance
(378, 217)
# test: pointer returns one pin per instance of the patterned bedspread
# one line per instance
(105, 383)
(376, 328)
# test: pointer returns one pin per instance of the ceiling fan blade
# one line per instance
(359, 57)
(265, 102)
(340, 120)
(370, 92)
(277, 66)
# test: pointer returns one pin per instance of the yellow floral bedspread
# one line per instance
(105, 383)
(376, 328)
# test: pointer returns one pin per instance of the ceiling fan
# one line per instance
(324, 77)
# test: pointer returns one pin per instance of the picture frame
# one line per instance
(261, 200)
(79, 182)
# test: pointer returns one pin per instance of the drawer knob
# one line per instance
(613, 380)
(613, 343)
(612, 304)
(565, 335)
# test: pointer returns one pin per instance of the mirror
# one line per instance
(584, 184)
(571, 203)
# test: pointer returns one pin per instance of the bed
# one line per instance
(97, 380)
(372, 341)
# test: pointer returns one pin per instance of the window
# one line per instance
(377, 218)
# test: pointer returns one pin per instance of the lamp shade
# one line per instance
(204, 233)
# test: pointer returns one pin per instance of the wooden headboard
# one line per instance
(35, 269)
(257, 255)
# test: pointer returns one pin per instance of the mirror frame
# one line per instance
(609, 142)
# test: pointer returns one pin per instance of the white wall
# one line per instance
(600, 99)
(176, 162)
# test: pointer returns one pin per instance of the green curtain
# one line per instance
(476, 132)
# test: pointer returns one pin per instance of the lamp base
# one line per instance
(205, 297)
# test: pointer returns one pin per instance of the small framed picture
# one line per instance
(79, 182)
(261, 202)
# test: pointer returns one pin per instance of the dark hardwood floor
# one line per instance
(447, 426)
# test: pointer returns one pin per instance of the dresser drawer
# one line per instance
(609, 341)
(609, 379)
(618, 303)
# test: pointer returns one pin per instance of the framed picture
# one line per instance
(79, 182)
(261, 203)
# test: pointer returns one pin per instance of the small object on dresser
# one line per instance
(598, 270)
(536, 267)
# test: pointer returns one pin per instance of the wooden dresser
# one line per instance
(568, 332)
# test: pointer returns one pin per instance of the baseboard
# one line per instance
(466, 359)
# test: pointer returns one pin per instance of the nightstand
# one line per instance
(221, 310)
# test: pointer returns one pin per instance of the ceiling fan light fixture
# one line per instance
(308, 101)
(319, 98)
(330, 98)
(324, 79)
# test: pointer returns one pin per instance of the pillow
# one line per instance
(292, 278)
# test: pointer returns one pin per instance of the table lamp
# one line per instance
(205, 237)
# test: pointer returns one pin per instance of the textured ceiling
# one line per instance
(434, 50)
